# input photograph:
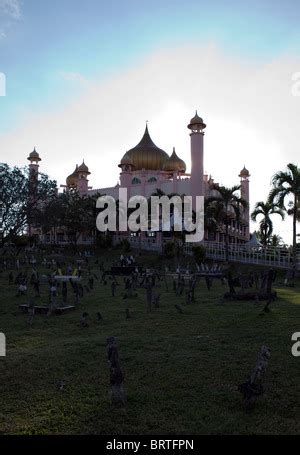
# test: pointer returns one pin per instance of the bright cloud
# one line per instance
(252, 118)
(11, 7)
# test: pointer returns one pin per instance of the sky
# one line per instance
(83, 77)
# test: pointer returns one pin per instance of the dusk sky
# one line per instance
(83, 77)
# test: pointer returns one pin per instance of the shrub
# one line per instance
(169, 250)
(125, 246)
(104, 241)
(199, 253)
(23, 240)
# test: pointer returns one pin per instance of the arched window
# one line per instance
(135, 181)
(152, 180)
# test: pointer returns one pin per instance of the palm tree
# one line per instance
(214, 215)
(229, 205)
(276, 241)
(266, 209)
(287, 184)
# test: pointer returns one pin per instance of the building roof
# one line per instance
(253, 242)
(34, 156)
(196, 121)
(83, 168)
(174, 163)
(146, 155)
(72, 179)
(244, 172)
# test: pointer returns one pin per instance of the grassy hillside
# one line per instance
(181, 370)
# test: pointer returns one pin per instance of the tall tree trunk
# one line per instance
(226, 241)
(295, 232)
(265, 236)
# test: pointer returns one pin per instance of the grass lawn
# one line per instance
(181, 370)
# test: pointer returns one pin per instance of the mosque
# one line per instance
(144, 170)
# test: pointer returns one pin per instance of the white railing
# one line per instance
(277, 257)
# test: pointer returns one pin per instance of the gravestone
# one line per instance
(113, 288)
(192, 286)
(84, 320)
(36, 286)
(253, 387)
(271, 275)
(247, 292)
(175, 285)
(31, 312)
(208, 282)
(80, 290)
(156, 300)
(230, 283)
(116, 379)
(188, 297)
(64, 292)
(52, 296)
(91, 283)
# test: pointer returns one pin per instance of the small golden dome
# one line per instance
(244, 172)
(83, 168)
(126, 160)
(72, 179)
(34, 156)
(174, 163)
(196, 121)
(146, 155)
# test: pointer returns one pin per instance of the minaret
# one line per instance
(126, 175)
(244, 176)
(34, 159)
(197, 126)
(82, 181)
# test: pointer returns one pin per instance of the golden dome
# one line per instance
(196, 121)
(174, 163)
(34, 156)
(126, 160)
(83, 168)
(244, 172)
(146, 155)
(72, 179)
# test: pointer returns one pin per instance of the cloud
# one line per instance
(252, 118)
(11, 8)
(74, 77)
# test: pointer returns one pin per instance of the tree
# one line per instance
(266, 209)
(20, 205)
(71, 212)
(213, 215)
(228, 205)
(287, 184)
(50, 215)
(275, 241)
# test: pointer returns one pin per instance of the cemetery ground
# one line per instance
(182, 371)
